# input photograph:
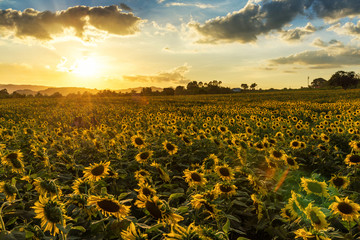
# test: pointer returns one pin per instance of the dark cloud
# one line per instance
(298, 33)
(125, 7)
(46, 25)
(332, 54)
(176, 75)
(261, 17)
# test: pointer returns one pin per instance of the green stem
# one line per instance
(1, 219)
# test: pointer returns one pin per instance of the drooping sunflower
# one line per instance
(186, 140)
(180, 233)
(316, 217)
(199, 200)
(314, 187)
(352, 159)
(51, 212)
(142, 175)
(146, 189)
(347, 209)
(286, 213)
(9, 190)
(14, 160)
(138, 141)
(144, 156)
(170, 147)
(291, 163)
(131, 233)
(355, 145)
(259, 206)
(304, 234)
(109, 206)
(47, 187)
(82, 186)
(210, 162)
(340, 182)
(163, 173)
(224, 172)
(194, 178)
(96, 171)
(225, 189)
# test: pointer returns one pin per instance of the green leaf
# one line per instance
(175, 196)
(226, 227)
(242, 238)
(80, 228)
(29, 234)
(183, 209)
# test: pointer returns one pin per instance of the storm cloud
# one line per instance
(46, 25)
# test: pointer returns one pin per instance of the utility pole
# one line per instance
(308, 82)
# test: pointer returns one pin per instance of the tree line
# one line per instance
(343, 79)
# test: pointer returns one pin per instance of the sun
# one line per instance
(86, 67)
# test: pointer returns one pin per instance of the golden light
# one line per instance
(86, 67)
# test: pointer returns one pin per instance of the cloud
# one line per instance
(298, 33)
(335, 9)
(176, 75)
(199, 5)
(349, 29)
(125, 7)
(332, 54)
(47, 25)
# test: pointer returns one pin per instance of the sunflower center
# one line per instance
(345, 208)
(314, 187)
(98, 170)
(224, 171)
(52, 212)
(12, 156)
(314, 218)
(222, 129)
(146, 191)
(338, 182)
(139, 141)
(277, 154)
(290, 161)
(295, 144)
(153, 209)
(196, 177)
(9, 189)
(144, 155)
(170, 147)
(355, 159)
(49, 186)
(108, 205)
(225, 189)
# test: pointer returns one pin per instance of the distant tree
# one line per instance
(146, 91)
(168, 91)
(253, 86)
(17, 95)
(318, 82)
(56, 95)
(180, 90)
(192, 87)
(4, 93)
(244, 86)
(344, 79)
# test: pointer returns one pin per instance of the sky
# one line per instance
(107, 44)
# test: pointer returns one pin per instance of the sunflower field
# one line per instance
(270, 165)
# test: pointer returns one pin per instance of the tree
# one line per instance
(253, 86)
(4, 93)
(193, 87)
(179, 90)
(146, 91)
(244, 86)
(344, 79)
(168, 91)
(318, 83)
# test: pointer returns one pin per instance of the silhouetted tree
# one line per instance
(344, 79)
(4, 93)
(56, 95)
(192, 87)
(180, 90)
(318, 82)
(253, 86)
(244, 86)
(168, 91)
(146, 91)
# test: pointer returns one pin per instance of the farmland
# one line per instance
(269, 165)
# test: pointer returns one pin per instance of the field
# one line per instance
(270, 165)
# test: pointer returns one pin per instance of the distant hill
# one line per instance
(46, 90)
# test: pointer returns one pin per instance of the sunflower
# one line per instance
(47, 187)
(142, 175)
(295, 144)
(170, 148)
(315, 187)
(317, 217)
(225, 189)
(146, 189)
(194, 178)
(286, 212)
(186, 140)
(81, 186)
(14, 160)
(199, 200)
(222, 129)
(163, 173)
(210, 162)
(224, 172)
(348, 210)
(132, 234)
(355, 145)
(51, 212)
(96, 171)
(302, 233)
(9, 190)
(180, 233)
(352, 159)
(143, 157)
(138, 141)
(249, 131)
(277, 155)
(259, 206)
(290, 162)
(340, 182)
(324, 137)
(109, 206)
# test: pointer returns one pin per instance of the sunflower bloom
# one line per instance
(143, 157)
(317, 217)
(347, 209)
(81, 186)
(179, 233)
(225, 189)
(14, 160)
(9, 190)
(109, 206)
(193, 178)
(352, 159)
(302, 233)
(96, 171)
(314, 187)
(170, 148)
(138, 141)
(132, 234)
(47, 187)
(224, 172)
(340, 182)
